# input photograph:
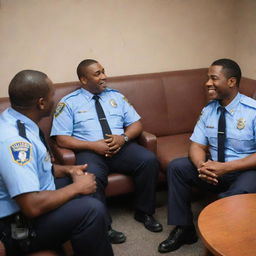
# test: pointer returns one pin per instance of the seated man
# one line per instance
(100, 126)
(227, 129)
(34, 215)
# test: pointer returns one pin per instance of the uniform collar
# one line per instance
(89, 95)
(27, 121)
(232, 106)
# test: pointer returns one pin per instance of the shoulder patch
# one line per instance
(60, 107)
(124, 98)
(21, 152)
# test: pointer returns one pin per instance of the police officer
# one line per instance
(28, 198)
(230, 170)
(78, 125)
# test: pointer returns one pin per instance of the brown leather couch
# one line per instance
(169, 104)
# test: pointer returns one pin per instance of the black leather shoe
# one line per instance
(149, 222)
(179, 235)
(116, 237)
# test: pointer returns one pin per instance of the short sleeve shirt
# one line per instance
(76, 114)
(25, 164)
(240, 128)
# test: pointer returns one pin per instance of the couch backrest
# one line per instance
(248, 87)
(168, 102)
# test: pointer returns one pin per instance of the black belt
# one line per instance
(5, 224)
(8, 218)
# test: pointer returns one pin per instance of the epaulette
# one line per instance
(248, 101)
(109, 89)
(22, 129)
(71, 95)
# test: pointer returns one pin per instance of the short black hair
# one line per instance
(230, 68)
(26, 87)
(84, 64)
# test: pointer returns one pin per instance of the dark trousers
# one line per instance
(183, 175)
(133, 160)
(81, 220)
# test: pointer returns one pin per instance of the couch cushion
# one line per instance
(171, 147)
(120, 184)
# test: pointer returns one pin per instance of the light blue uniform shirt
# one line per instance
(76, 114)
(25, 165)
(240, 128)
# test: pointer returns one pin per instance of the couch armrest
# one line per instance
(148, 140)
(62, 155)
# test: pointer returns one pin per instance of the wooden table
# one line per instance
(228, 226)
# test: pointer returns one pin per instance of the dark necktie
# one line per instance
(221, 135)
(102, 118)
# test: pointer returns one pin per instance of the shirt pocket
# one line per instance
(85, 121)
(241, 141)
(116, 118)
(212, 136)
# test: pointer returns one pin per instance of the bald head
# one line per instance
(27, 87)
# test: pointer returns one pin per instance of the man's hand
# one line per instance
(67, 170)
(101, 147)
(85, 183)
(207, 175)
(218, 168)
(115, 143)
(76, 169)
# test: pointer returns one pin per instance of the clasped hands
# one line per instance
(110, 146)
(85, 182)
(210, 171)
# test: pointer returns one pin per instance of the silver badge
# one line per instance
(240, 123)
(113, 103)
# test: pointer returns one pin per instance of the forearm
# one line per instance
(197, 154)
(73, 143)
(37, 203)
(133, 130)
(247, 163)
(61, 171)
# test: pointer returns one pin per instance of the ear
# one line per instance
(41, 103)
(232, 82)
(83, 80)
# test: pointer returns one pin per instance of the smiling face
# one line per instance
(219, 86)
(94, 78)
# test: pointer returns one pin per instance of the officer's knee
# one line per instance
(98, 207)
(92, 207)
(150, 158)
(173, 167)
